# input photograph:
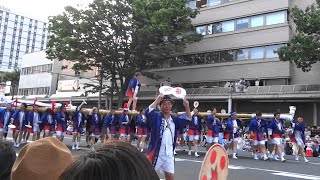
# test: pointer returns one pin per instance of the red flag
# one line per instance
(53, 103)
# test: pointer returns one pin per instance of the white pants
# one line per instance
(278, 141)
(255, 142)
(193, 137)
(211, 139)
(165, 164)
(299, 141)
(59, 133)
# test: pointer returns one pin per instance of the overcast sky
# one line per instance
(40, 9)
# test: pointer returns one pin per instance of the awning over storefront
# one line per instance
(67, 95)
(37, 96)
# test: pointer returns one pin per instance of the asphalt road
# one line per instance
(245, 168)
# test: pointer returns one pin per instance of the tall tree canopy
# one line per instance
(120, 37)
(304, 48)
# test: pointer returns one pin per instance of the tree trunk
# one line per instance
(100, 88)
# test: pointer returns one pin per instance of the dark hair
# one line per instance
(113, 160)
(137, 73)
(141, 110)
(166, 98)
(25, 105)
(258, 113)
(214, 108)
(48, 110)
(276, 113)
(7, 159)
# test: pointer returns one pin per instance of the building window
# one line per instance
(214, 2)
(270, 51)
(192, 4)
(201, 30)
(212, 57)
(227, 26)
(257, 21)
(227, 56)
(257, 53)
(214, 28)
(276, 18)
(242, 23)
(199, 59)
(242, 54)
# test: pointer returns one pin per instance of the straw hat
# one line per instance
(43, 159)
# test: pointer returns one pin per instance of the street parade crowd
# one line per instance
(158, 130)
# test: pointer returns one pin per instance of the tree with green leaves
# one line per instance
(304, 47)
(14, 77)
(121, 37)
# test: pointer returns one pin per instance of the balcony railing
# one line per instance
(276, 89)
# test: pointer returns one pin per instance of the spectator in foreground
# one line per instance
(7, 158)
(113, 160)
(43, 159)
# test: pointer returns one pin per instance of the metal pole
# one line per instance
(315, 114)
(230, 104)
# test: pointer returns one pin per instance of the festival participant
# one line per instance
(142, 130)
(19, 119)
(194, 132)
(95, 122)
(7, 116)
(213, 125)
(112, 123)
(61, 118)
(298, 129)
(133, 89)
(2, 114)
(34, 120)
(47, 119)
(163, 136)
(258, 128)
(231, 133)
(124, 123)
(78, 120)
(275, 132)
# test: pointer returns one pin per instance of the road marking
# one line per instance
(274, 172)
(299, 176)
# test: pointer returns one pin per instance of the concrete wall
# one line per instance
(263, 69)
(277, 34)
(38, 79)
(300, 77)
(35, 80)
(239, 8)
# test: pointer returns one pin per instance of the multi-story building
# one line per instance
(47, 81)
(19, 35)
(240, 37)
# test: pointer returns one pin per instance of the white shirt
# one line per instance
(279, 126)
(21, 117)
(35, 119)
(235, 124)
(196, 120)
(79, 119)
(166, 148)
(144, 118)
(136, 89)
(6, 117)
(50, 119)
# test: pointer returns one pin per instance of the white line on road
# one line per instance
(274, 172)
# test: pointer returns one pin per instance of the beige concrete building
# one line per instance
(240, 37)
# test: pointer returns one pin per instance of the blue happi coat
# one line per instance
(154, 119)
